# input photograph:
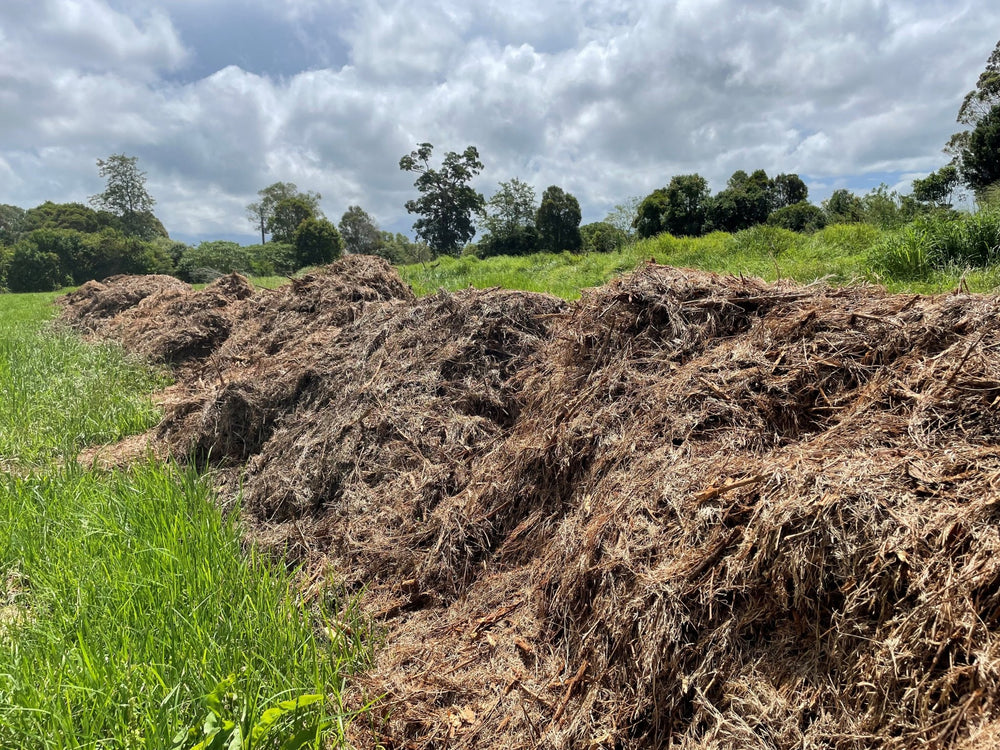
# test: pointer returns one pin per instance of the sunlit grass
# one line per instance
(838, 254)
(130, 598)
(57, 393)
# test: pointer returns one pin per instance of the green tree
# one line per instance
(510, 208)
(32, 270)
(125, 196)
(798, 217)
(75, 216)
(209, 260)
(843, 207)
(937, 187)
(601, 237)
(687, 196)
(679, 208)
(986, 95)
(887, 209)
(287, 215)
(11, 223)
(558, 221)
(975, 151)
(261, 212)
(509, 220)
(744, 203)
(399, 249)
(447, 201)
(981, 157)
(787, 190)
(317, 241)
(359, 232)
(623, 217)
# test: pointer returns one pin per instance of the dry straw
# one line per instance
(690, 510)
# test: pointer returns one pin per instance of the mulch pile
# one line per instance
(689, 510)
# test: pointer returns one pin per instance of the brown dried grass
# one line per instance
(693, 511)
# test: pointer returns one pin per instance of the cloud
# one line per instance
(607, 99)
(88, 35)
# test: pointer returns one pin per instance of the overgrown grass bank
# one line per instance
(126, 597)
(58, 393)
(956, 251)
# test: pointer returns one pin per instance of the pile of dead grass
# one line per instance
(90, 307)
(694, 510)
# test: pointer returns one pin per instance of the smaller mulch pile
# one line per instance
(689, 510)
(90, 308)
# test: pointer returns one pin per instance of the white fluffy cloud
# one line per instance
(607, 99)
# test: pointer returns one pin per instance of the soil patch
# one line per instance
(689, 510)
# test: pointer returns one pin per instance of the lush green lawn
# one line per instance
(125, 596)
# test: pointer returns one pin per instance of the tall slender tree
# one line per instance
(126, 196)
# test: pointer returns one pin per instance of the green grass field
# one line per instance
(126, 598)
(838, 254)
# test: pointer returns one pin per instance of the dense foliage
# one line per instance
(447, 202)
(558, 221)
(126, 198)
(317, 241)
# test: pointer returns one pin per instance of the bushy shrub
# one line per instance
(520, 241)
(601, 237)
(33, 270)
(799, 217)
(209, 260)
(110, 252)
(271, 259)
(317, 241)
(401, 250)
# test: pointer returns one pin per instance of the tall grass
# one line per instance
(126, 597)
(838, 254)
(938, 246)
(58, 393)
(129, 598)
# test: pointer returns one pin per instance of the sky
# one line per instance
(607, 99)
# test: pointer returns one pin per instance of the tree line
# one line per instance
(515, 225)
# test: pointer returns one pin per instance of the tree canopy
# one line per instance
(261, 212)
(678, 208)
(558, 221)
(359, 232)
(447, 202)
(977, 103)
(288, 214)
(317, 241)
(981, 157)
(509, 220)
(125, 196)
(938, 186)
(976, 152)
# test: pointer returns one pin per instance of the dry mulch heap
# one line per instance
(688, 510)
